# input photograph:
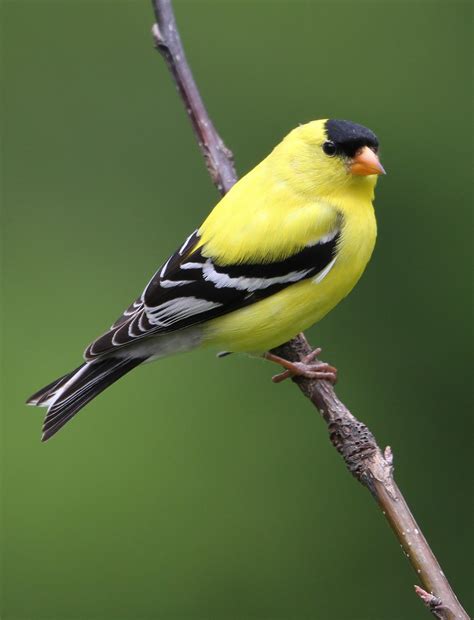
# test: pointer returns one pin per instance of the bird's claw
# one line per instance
(307, 367)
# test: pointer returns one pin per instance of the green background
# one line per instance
(195, 488)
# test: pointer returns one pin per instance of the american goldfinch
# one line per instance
(277, 253)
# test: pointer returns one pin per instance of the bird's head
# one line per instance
(329, 157)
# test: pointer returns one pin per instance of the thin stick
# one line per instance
(353, 440)
(374, 469)
(219, 159)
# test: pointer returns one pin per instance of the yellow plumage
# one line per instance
(294, 196)
(277, 253)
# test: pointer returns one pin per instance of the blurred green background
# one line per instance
(195, 488)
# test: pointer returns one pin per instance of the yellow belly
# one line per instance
(272, 321)
(269, 323)
(278, 318)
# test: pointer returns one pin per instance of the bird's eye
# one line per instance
(329, 148)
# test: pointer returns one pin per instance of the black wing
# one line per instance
(190, 288)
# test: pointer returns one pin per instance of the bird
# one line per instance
(280, 250)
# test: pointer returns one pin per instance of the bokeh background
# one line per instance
(195, 488)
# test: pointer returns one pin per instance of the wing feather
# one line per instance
(191, 288)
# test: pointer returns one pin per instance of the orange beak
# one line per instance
(366, 162)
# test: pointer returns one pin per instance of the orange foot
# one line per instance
(308, 367)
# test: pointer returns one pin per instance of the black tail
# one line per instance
(67, 395)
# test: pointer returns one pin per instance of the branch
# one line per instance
(374, 469)
(218, 158)
(352, 439)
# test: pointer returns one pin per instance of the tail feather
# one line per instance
(67, 395)
(47, 393)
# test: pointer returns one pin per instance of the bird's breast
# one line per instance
(357, 241)
(276, 319)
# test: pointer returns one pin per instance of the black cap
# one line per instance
(349, 137)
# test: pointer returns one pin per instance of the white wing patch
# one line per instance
(322, 274)
(163, 269)
(222, 280)
(186, 244)
(192, 266)
(171, 283)
(177, 309)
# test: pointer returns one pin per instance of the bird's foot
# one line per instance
(308, 367)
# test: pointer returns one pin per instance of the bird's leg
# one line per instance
(308, 367)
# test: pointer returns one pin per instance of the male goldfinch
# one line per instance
(277, 253)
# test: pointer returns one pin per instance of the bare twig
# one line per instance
(218, 158)
(353, 440)
(374, 469)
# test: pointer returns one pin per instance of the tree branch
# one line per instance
(352, 439)
(219, 159)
